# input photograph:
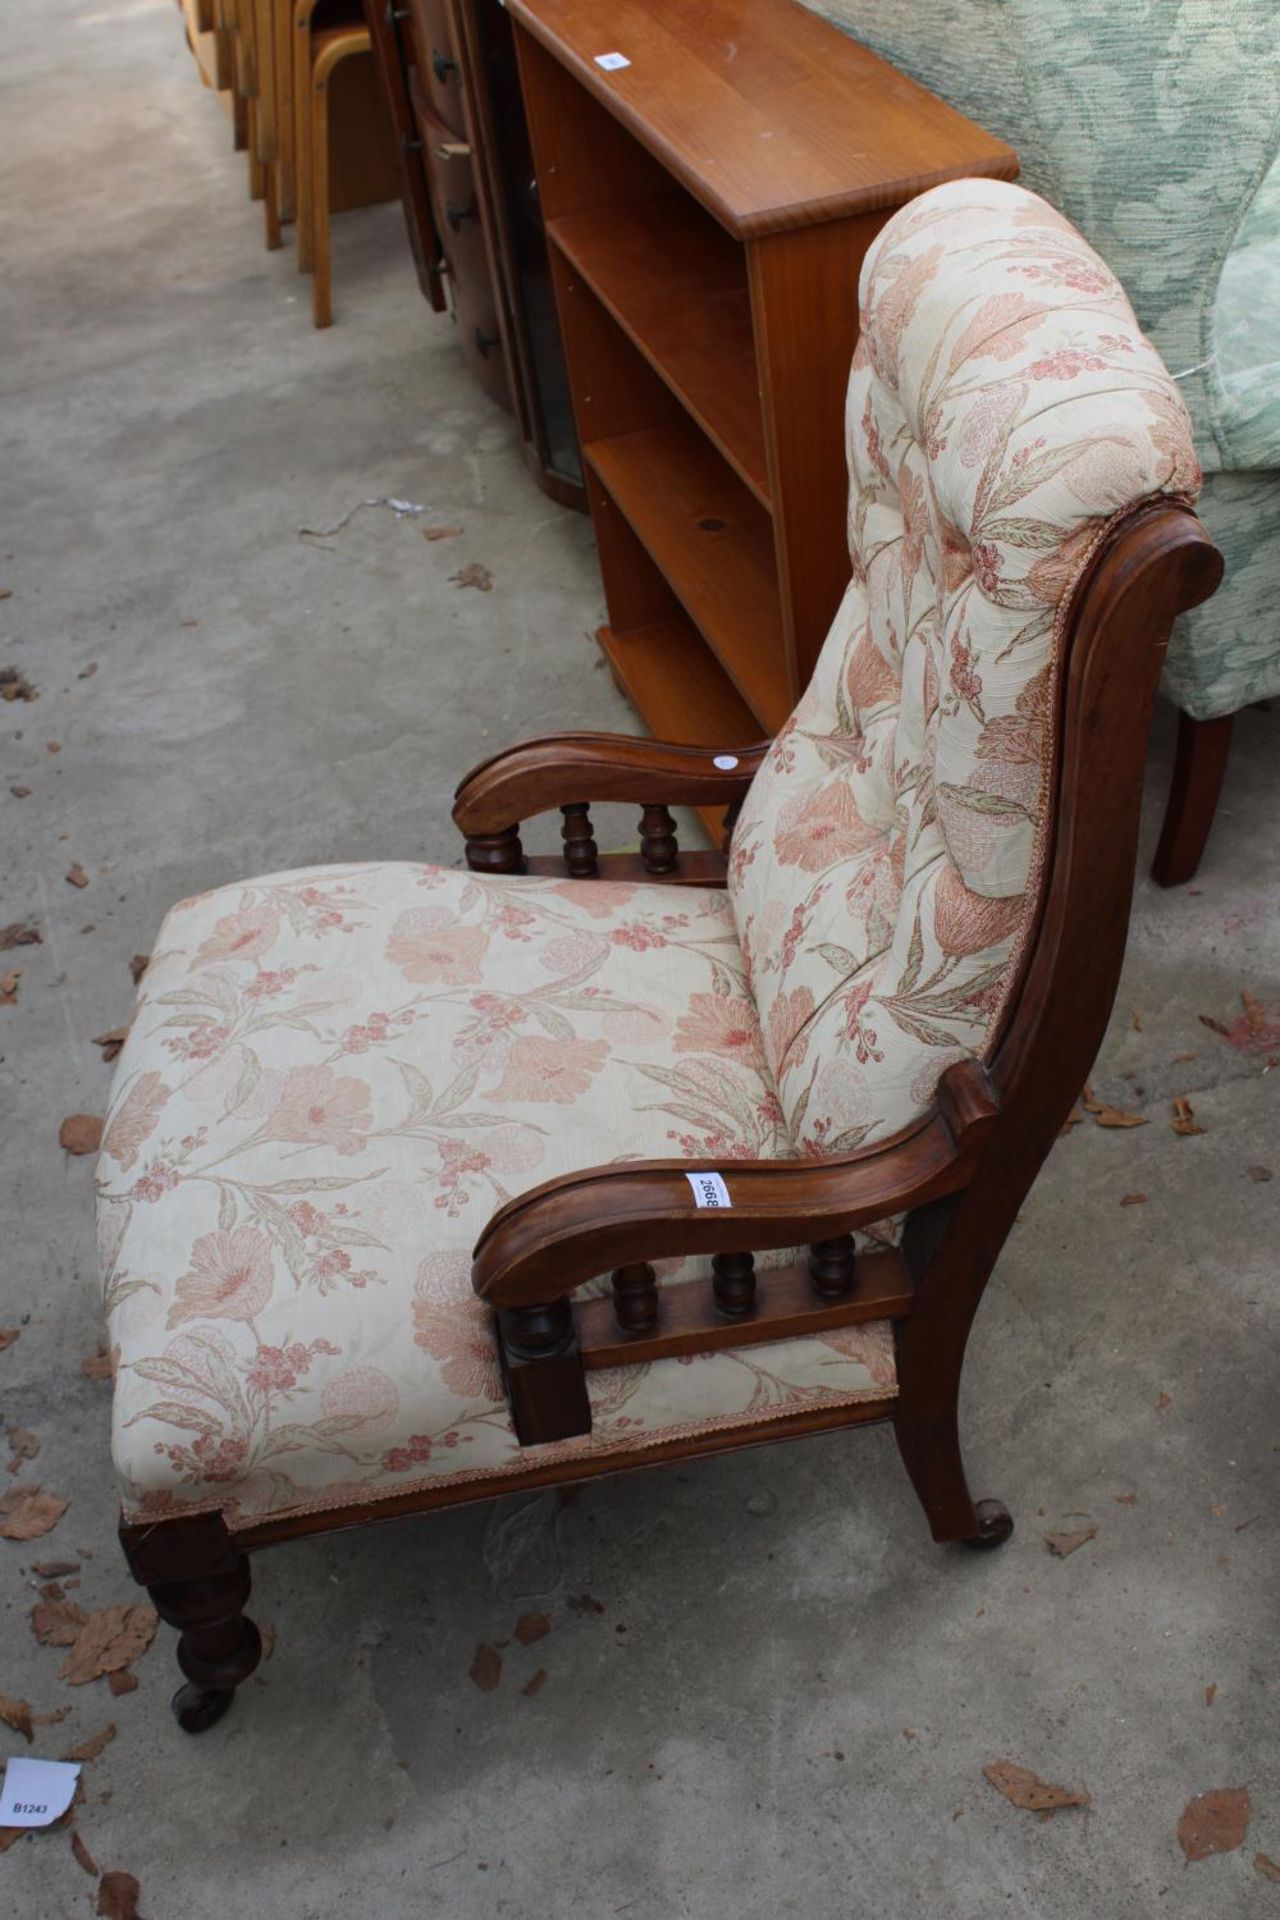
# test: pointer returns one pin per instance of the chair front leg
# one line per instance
(198, 1583)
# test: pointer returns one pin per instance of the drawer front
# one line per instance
(436, 58)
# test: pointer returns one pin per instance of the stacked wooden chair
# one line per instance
(276, 62)
(421, 1185)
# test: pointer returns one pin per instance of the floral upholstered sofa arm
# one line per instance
(569, 771)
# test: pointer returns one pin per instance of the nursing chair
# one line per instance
(422, 1185)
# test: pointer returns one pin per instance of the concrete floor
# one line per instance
(786, 1703)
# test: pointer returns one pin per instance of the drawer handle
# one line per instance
(486, 340)
(442, 66)
(453, 150)
(455, 215)
(396, 14)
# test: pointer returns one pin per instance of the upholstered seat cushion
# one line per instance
(333, 1079)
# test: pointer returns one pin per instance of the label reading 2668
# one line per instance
(709, 1190)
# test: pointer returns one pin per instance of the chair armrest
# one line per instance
(568, 769)
(544, 1244)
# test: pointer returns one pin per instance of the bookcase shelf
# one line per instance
(676, 284)
(709, 194)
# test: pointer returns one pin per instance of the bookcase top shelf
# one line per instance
(771, 117)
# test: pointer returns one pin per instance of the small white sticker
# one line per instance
(612, 61)
(37, 1792)
(726, 762)
(709, 1190)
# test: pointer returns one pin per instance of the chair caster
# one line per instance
(995, 1524)
(198, 1708)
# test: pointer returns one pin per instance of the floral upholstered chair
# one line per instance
(421, 1185)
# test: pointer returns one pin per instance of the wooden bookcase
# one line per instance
(708, 203)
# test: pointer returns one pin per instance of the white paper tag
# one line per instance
(709, 1190)
(726, 762)
(37, 1792)
(612, 61)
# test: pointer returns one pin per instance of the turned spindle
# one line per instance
(499, 852)
(734, 1283)
(658, 846)
(581, 855)
(831, 1264)
(635, 1298)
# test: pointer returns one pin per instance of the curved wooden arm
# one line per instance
(564, 769)
(549, 1241)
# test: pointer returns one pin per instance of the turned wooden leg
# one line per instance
(218, 1645)
(199, 1583)
(1198, 769)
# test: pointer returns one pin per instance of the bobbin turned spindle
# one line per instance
(635, 1298)
(831, 1264)
(659, 849)
(581, 855)
(734, 1283)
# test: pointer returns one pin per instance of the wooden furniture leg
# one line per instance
(302, 116)
(1198, 770)
(199, 1583)
(334, 48)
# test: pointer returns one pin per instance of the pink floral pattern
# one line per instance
(333, 1079)
(1002, 407)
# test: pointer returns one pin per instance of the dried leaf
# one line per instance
(30, 1512)
(1133, 1199)
(99, 1366)
(19, 934)
(17, 1714)
(90, 1749)
(56, 1623)
(1260, 1174)
(473, 575)
(1089, 1100)
(14, 685)
(1116, 1117)
(83, 1856)
(54, 1569)
(138, 966)
(1214, 1822)
(1074, 1119)
(122, 1682)
(118, 1897)
(76, 875)
(111, 1638)
(1211, 1693)
(1125, 1499)
(267, 1635)
(81, 1133)
(1137, 1022)
(1214, 1026)
(1062, 1544)
(20, 793)
(8, 1335)
(1184, 1119)
(25, 1444)
(1024, 1789)
(440, 533)
(111, 1042)
(1266, 1866)
(531, 1627)
(535, 1685)
(1164, 1402)
(1254, 1014)
(486, 1668)
(9, 987)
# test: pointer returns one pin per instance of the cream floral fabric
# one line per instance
(333, 1079)
(1003, 405)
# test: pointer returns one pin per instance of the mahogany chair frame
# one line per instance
(959, 1175)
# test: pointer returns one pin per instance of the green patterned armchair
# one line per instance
(1155, 126)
